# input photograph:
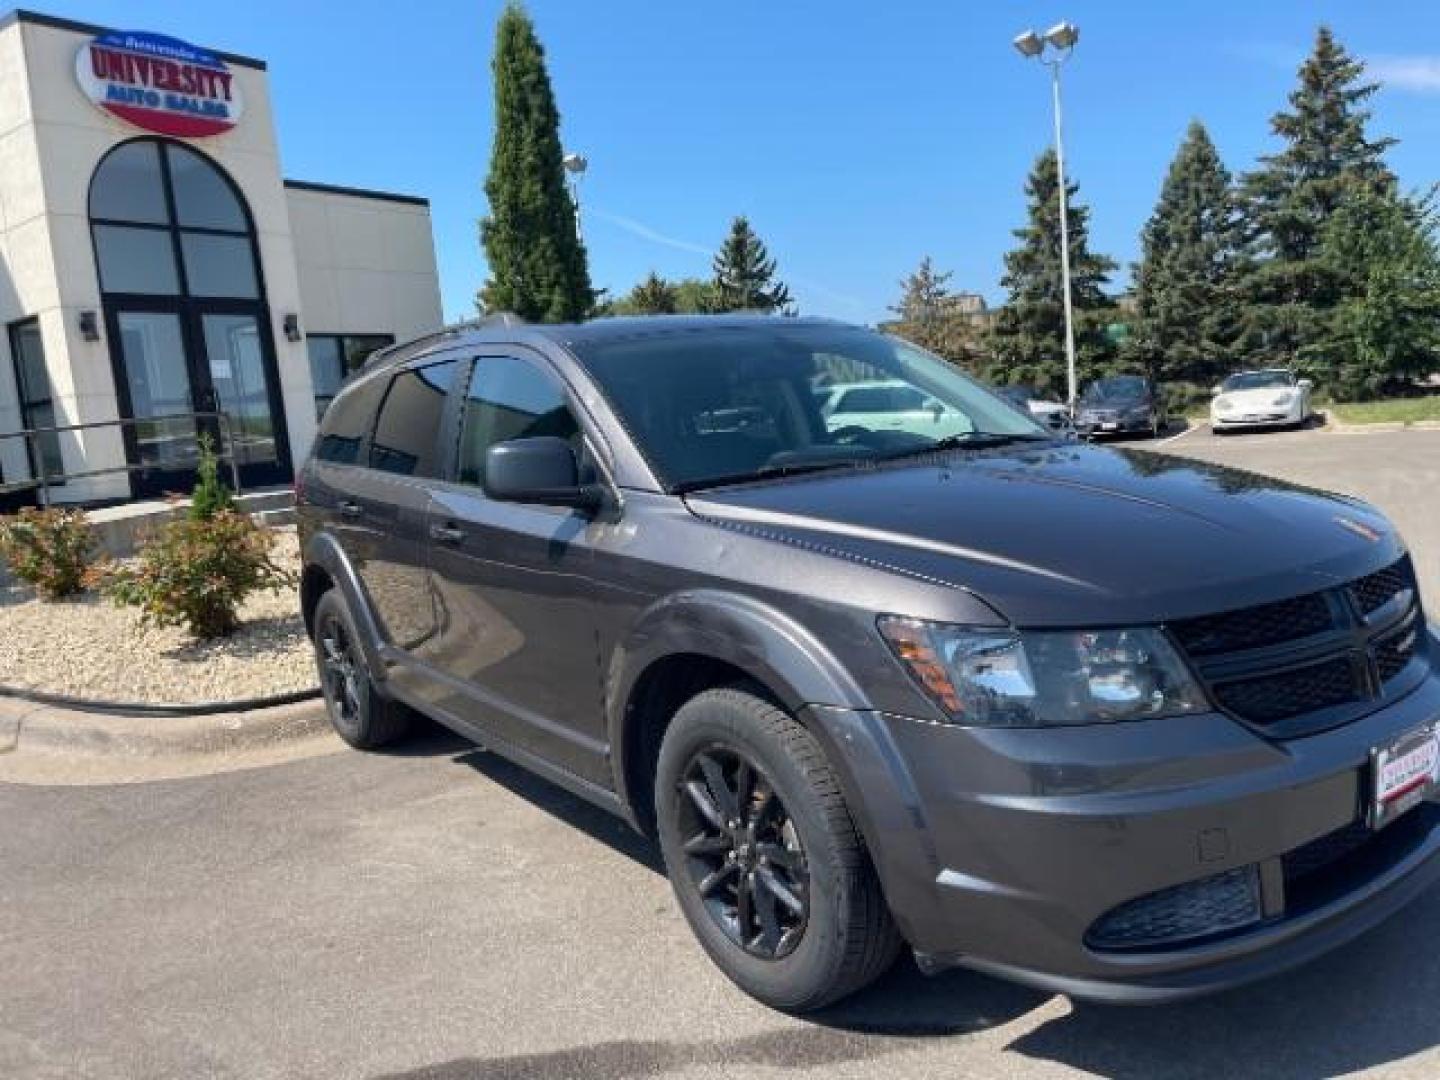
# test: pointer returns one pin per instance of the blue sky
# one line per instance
(856, 136)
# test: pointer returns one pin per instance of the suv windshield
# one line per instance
(1258, 380)
(730, 402)
(1118, 388)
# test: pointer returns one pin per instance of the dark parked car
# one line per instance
(1121, 405)
(1103, 721)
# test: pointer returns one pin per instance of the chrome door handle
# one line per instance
(447, 534)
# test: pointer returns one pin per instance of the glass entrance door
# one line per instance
(180, 358)
(235, 365)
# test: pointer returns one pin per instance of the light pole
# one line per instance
(575, 165)
(1060, 39)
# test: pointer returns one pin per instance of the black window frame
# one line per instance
(27, 405)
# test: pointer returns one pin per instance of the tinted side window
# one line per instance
(407, 433)
(347, 421)
(510, 399)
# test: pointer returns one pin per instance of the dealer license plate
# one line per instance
(1404, 772)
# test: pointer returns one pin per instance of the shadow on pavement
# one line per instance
(1369, 1004)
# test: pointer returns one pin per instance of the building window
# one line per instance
(37, 403)
(334, 357)
(168, 223)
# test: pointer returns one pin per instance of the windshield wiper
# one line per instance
(765, 472)
(967, 439)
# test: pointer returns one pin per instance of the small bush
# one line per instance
(197, 573)
(210, 495)
(51, 549)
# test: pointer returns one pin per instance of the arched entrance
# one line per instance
(185, 313)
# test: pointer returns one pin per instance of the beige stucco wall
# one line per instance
(367, 265)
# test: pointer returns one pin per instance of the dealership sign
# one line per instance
(159, 84)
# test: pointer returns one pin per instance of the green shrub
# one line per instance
(51, 549)
(197, 573)
(210, 495)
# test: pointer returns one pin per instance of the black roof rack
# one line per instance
(405, 349)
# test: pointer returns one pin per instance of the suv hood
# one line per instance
(1074, 535)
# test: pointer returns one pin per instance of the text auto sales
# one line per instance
(156, 83)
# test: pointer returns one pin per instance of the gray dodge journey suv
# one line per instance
(1104, 721)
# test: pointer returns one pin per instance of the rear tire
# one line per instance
(766, 862)
(360, 714)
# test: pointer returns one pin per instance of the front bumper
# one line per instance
(1119, 426)
(1257, 418)
(1001, 850)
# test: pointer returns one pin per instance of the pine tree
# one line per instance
(1186, 322)
(1385, 330)
(745, 274)
(1028, 341)
(653, 296)
(537, 263)
(1289, 200)
(930, 317)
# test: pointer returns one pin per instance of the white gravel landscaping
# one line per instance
(89, 648)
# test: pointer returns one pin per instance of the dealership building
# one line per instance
(161, 280)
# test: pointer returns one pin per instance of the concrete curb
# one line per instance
(1342, 428)
(45, 729)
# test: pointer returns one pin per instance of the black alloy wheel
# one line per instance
(743, 853)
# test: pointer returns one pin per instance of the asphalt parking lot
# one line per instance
(438, 914)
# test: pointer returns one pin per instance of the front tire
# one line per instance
(358, 711)
(766, 862)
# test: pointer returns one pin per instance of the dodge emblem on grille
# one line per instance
(1360, 529)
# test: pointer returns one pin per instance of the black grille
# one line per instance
(1250, 628)
(1374, 591)
(1197, 909)
(1281, 695)
(1393, 653)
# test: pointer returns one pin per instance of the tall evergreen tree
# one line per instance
(537, 263)
(745, 273)
(930, 317)
(1186, 322)
(1291, 197)
(1027, 343)
(1385, 329)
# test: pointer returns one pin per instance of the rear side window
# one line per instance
(407, 432)
(507, 399)
(347, 421)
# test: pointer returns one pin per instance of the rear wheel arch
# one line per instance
(326, 568)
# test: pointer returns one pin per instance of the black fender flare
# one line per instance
(323, 551)
(762, 641)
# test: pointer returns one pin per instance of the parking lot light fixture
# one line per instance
(1060, 39)
(575, 166)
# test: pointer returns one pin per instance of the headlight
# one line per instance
(1223, 404)
(1281, 402)
(1004, 678)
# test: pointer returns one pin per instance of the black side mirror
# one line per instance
(539, 470)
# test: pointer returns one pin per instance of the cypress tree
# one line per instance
(745, 273)
(537, 263)
(1186, 322)
(1291, 197)
(1027, 343)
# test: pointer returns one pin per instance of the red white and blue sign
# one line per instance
(159, 83)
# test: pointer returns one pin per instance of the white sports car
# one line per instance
(1273, 397)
